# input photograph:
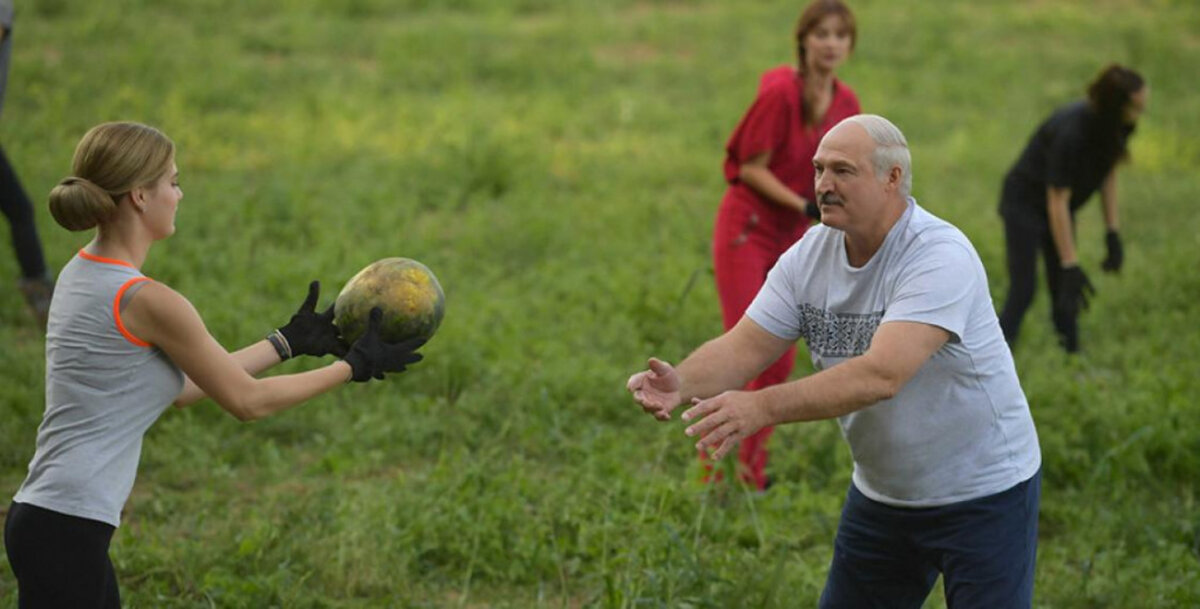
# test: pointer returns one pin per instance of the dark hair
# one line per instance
(813, 14)
(1108, 95)
(1112, 91)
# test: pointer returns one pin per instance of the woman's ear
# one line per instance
(137, 198)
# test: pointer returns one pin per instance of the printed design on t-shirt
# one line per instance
(831, 334)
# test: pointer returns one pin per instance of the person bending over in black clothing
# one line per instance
(35, 283)
(1071, 155)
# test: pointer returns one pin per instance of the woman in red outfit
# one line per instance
(768, 166)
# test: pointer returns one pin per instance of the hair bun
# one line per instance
(73, 180)
(79, 204)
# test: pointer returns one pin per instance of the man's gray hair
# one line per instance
(891, 149)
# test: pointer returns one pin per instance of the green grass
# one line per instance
(556, 163)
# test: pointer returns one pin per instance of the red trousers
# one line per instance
(749, 236)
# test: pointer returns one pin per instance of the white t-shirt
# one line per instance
(961, 427)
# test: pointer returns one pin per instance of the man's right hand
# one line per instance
(656, 389)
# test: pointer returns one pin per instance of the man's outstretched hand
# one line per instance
(656, 390)
(724, 421)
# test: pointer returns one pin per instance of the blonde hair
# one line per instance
(111, 160)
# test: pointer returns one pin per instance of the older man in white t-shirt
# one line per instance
(893, 304)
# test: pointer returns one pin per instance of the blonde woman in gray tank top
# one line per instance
(121, 348)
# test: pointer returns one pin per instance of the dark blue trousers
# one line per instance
(890, 557)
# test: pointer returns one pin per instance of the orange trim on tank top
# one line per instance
(95, 258)
(117, 312)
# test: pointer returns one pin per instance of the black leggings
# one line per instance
(15, 205)
(1023, 238)
(60, 560)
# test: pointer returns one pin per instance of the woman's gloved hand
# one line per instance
(312, 333)
(1116, 254)
(371, 357)
(1074, 292)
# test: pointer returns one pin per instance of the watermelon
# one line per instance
(406, 290)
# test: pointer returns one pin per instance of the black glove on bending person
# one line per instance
(1116, 254)
(1074, 291)
(812, 210)
(370, 356)
(309, 332)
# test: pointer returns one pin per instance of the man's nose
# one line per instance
(822, 184)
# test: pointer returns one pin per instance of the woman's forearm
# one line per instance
(1108, 199)
(762, 181)
(254, 359)
(1058, 201)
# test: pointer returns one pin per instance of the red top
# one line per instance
(775, 123)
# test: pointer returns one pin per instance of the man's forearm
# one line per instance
(728, 361)
(898, 351)
(711, 369)
(852, 385)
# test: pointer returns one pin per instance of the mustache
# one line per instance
(828, 198)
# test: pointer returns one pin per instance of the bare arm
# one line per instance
(159, 315)
(254, 359)
(730, 360)
(755, 174)
(897, 352)
(1058, 201)
(1108, 197)
(726, 362)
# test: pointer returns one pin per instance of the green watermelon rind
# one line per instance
(415, 310)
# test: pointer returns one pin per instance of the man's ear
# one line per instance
(895, 177)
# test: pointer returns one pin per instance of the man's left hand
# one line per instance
(726, 419)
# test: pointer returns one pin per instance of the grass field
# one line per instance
(556, 163)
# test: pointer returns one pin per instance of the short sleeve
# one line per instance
(1062, 153)
(775, 307)
(6, 14)
(763, 128)
(936, 288)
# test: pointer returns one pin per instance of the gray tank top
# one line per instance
(104, 388)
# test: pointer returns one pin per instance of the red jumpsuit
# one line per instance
(752, 232)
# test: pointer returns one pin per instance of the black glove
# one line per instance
(1116, 254)
(370, 356)
(1074, 291)
(812, 210)
(312, 333)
